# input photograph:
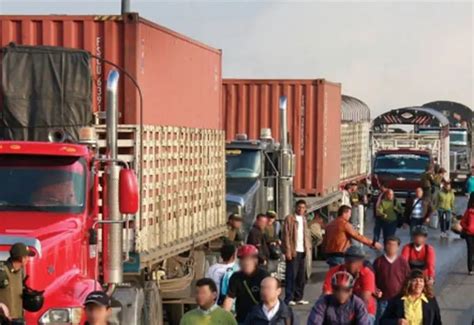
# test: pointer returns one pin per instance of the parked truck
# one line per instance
(72, 197)
(400, 158)
(460, 138)
(321, 146)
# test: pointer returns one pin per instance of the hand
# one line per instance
(427, 220)
(288, 257)
(378, 293)
(378, 246)
(405, 226)
(403, 321)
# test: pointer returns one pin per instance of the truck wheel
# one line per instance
(153, 308)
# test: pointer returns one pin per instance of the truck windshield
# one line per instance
(45, 183)
(401, 163)
(242, 163)
(458, 137)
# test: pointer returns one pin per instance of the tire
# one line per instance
(153, 308)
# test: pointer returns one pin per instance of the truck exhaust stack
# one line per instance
(285, 181)
(113, 271)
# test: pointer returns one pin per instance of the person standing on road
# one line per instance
(445, 205)
(364, 278)
(207, 311)
(244, 285)
(438, 180)
(339, 234)
(470, 183)
(378, 222)
(257, 238)
(234, 230)
(389, 212)
(391, 272)
(296, 242)
(273, 229)
(418, 210)
(217, 271)
(272, 310)
(12, 278)
(342, 307)
(98, 308)
(419, 254)
(427, 181)
(467, 224)
(415, 305)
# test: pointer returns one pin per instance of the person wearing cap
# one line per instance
(273, 228)
(419, 254)
(415, 305)
(341, 306)
(339, 234)
(427, 181)
(297, 245)
(244, 285)
(207, 311)
(364, 283)
(257, 238)
(98, 308)
(390, 212)
(445, 206)
(234, 230)
(12, 278)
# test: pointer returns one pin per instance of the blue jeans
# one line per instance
(389, 228)
(334, 260)
(377, 229)
(381, 306)
(371, 319)
(444, 219)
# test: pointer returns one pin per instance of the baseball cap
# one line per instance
(98, 298)
(20, 250)
(235, 216)
(354, 253)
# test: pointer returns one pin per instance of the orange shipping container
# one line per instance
(180, 78)
(314, 118)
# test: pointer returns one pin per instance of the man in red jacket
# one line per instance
(467, 224)
(419, 254)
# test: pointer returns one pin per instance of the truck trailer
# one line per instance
(72, 197)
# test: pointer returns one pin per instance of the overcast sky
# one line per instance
(387, 54)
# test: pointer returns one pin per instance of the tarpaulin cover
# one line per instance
(44, 89)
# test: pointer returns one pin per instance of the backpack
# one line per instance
(224, 287)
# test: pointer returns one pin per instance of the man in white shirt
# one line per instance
(271, 310)
(217, 271)
(297, 244)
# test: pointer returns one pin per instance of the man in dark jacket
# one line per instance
(417, 210)
(272, 310)
(258, 239)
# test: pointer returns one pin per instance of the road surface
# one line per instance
(454, 288)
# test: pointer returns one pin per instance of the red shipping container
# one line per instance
(314, 118)
(180, 78)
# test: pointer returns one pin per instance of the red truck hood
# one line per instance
(401, 185)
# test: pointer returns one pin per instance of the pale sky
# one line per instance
(388, 54)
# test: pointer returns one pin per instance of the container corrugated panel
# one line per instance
(314, 120)
(180, 78)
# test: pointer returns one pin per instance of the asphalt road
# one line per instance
(454, 288)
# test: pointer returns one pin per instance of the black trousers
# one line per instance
(470, 251)
(295, 279)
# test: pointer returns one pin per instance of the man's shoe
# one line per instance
(302, 302)
(471, 272)
(292, 303)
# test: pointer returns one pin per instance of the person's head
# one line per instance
(270, 289)
(442, 171)
(206, 293)
(342, 283)
(19, 254)
(353, 187)
(389, 195)
(419, 235)
(354, 259)
(98, 308)
(228, 253)
(416, 284)
(470, 204)
(344, 211)
(419, 192)
(261, 220)
(272, 215)
(447, 186)
(300, 207)
(235, 221)
(429, 168)
(248, 258)
(382, 187)
(392, 244)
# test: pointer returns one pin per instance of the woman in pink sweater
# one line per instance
(467, 224)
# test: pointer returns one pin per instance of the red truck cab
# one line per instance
(399, 170)
(46, 201)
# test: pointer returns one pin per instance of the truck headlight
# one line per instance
(62, 316)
